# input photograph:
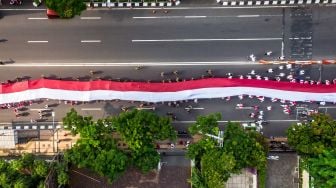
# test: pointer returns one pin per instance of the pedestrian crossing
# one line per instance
(274, 2)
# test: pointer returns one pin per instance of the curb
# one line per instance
(274, 2)
(133, 4)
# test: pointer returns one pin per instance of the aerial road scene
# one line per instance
(168, 93)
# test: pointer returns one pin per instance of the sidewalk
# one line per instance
(26, 4)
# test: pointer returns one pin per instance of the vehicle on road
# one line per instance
(52, 14)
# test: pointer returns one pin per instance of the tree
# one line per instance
(140, 130)
(95, 144)
(323, 168)
(206, 124)
(197, 180)
(40, 168)
(147, 159)
(247, 151)
(66, 8)
(314, 137)
(216, 167)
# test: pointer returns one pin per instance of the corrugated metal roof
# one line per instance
(8, 139)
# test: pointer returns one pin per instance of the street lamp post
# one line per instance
(53, 124)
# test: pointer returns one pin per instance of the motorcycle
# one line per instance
(15, 2)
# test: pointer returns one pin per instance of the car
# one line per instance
(52, 14)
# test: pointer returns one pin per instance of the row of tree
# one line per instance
(98, 141)
(213, 164)
(25, 172)
(315, 141)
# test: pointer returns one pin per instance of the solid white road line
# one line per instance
(90, 41)
(37, 41)
(245, 121)
(43, 18)
(207, 40)
(238, 16)
(90, 18)
(98, 64)
(91, 109)
(195, 16)
(248, 16)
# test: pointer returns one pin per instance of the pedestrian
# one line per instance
(175, 72)
(252, 57)
(269, 108)
(252, 72)
(209, 72)
(270, 70)
(162, 74)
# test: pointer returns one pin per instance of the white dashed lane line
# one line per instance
(41, 18)
(90, 18)
(90, 41)
(37, 41)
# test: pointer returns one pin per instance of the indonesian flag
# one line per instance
(157, 92)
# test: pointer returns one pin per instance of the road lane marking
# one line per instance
(146, 108)
(128, 64)
(207, 40)
(300, 38)
(91, 109)
(244, 121)
(38, 18)
(237, 16)
(39, 109)
(195, 16)
(37, 41)
(90, 41)
(194, 108)
(248, 16)
(90, 18)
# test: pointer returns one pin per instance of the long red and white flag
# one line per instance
(157, 92)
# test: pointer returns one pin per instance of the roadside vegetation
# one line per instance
(66, 8)
(315, 142)
(25, 172)
(99, 141)
(214, 164)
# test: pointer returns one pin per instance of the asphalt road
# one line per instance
(180, 35)
(278, 121)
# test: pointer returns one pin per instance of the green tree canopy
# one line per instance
(314, 137)
(66, 8)
(25, 172)
(140, 128)
(323, 168)
(216, 167)
(206, 124)
(247, 151)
